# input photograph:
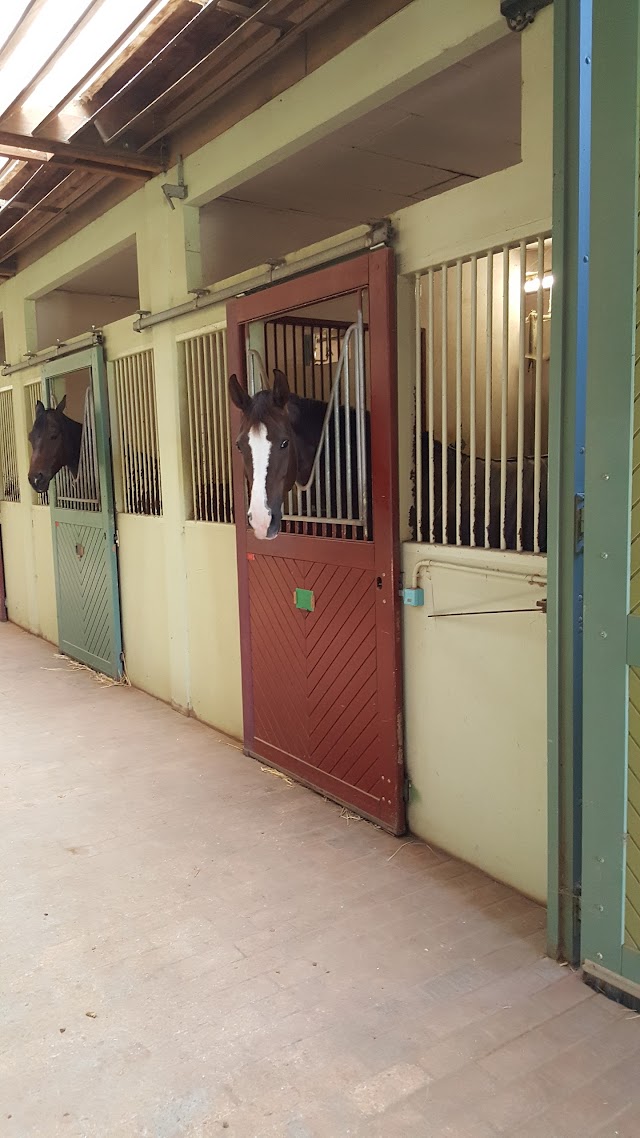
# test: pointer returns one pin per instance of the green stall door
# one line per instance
(83, 518)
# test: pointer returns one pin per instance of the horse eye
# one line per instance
(284, 444)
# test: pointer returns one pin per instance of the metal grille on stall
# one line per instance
(82, 516)
(81, 491)
(32, 393)
(137, 429)
(482, 398)
(204, 359)
(9, 481)
(327, 361)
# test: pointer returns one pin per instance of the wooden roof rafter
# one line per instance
(119, 163)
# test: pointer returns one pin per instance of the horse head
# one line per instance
(55, 442)
(267, 443)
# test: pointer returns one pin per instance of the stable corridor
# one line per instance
(193, 946)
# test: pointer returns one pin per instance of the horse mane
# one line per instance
(72, 433)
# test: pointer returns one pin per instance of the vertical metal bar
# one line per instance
(133, 441)
(325, 444)
(361, 412)
(221, 352)
(207, 438)
(308, 340)
(504, 407)
(418, 421)
(152, 413)
(116, 373)
(94, 444)
(298, 384)
(521, 370)
(194, 433)
(126, 434)
(153, 429)
(431, 333)
(488, 400)
(138, 418)
(201, 429)
(458, 401)
(221, 506)
(537, 411)
(337, 454)
(212, 429)
(156, 444)
(347, 426)
(444, 403)
(120, 420)
(188, 374)
(217, 380)
(473, 378)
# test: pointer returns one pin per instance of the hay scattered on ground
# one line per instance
(106, 681)
(349, 816)
(279, 774)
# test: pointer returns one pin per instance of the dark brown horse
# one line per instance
(280, 433)
(55, 442)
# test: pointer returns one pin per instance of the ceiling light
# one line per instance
(533, 283)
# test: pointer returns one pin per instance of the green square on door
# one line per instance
(304, 599)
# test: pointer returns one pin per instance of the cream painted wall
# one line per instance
(45, 575)
(16, 539)
(177, 579)
(145, 602)
(214, 634)
(475, 712)
(63, 315)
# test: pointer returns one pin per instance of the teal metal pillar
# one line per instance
(610, 385)
(571, 196)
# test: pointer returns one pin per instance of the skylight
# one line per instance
(110, 21)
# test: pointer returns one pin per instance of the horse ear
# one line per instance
(239, 397)
(280, 388)
(62, 404)
(39, 409)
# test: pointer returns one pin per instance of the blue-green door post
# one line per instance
(610, 378)
(571, 164)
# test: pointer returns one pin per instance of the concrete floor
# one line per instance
(193, 947)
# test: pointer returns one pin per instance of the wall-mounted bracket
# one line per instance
(519, 14)
(177, 189)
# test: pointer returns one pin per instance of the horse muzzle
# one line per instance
(267, 526)
(40, 482)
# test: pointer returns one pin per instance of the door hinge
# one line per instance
(578, 522)
(406, 789)
(116, 539)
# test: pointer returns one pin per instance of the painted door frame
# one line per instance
(92, 358)
(376, 272)
(611, 640)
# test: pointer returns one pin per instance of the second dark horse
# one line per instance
(55, 442)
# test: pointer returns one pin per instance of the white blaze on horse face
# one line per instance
(259, 512)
